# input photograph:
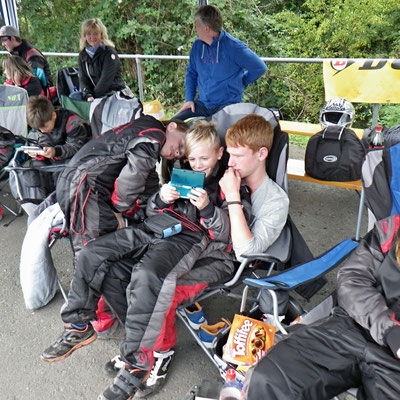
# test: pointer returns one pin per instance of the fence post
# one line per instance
(139, 76)
(375, 115)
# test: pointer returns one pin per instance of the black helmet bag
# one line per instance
(334, 154)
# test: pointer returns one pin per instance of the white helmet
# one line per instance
(337, 111)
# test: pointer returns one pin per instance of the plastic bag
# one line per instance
(155, 109)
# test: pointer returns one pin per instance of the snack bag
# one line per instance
(155, 109)
(248, 341)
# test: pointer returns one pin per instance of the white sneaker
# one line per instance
(156, 380)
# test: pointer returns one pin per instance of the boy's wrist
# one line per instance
(233, 203)
(233, 197)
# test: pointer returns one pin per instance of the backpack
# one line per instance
(334, 154)
(67, 81)
(7, 142)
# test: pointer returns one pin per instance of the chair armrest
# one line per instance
(296, 276)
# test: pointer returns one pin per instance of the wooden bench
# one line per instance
(296, 169)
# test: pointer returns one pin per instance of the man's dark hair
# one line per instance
(210, 16)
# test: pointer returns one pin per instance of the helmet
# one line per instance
(337, 111)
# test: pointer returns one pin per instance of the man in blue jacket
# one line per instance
(220, 67)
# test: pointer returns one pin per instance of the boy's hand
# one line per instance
(168, 193)
(199, 198)
(49, 152)
(121, 221)
(230, 184)
(31, 155)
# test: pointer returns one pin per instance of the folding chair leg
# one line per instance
(16, 214)
(244, 299)
(276, 316)
(360, 211)
(62, 290)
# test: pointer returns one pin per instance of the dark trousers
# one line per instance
(155, 264)
(95, 260)
(323, 360)
(200, 111)
(96, 218)
(151, 295)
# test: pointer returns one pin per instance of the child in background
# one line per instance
(61, 133)
(20, 74)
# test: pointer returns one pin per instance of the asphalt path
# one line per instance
(324, 215)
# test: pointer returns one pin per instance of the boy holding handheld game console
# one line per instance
(61, 132)
(144, 278)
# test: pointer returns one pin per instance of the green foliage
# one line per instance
(273, 28)
(54, 25)
(389, 115)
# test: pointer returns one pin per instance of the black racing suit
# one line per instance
(70, 133)
(356, 345)
(115, 172)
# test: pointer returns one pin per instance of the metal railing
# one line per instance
(139, 57)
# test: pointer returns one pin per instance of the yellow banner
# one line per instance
(363, 81)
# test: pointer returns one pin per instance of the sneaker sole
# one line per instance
(101, 397)
(209, 345)
(76, 347)
(110, 369)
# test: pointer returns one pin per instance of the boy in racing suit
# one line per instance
(357, 346)
(115, 173)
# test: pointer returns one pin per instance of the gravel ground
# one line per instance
(324, 215)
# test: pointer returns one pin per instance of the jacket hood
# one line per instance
(215, 43)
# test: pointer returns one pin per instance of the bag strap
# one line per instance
(72, 71)
(68, 80)
(333, 133)
(87, 70)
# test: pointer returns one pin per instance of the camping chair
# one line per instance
(13, 101)
(381, 183)
(68, 82)
(28, 184)
(290, 248)
(110, 112)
